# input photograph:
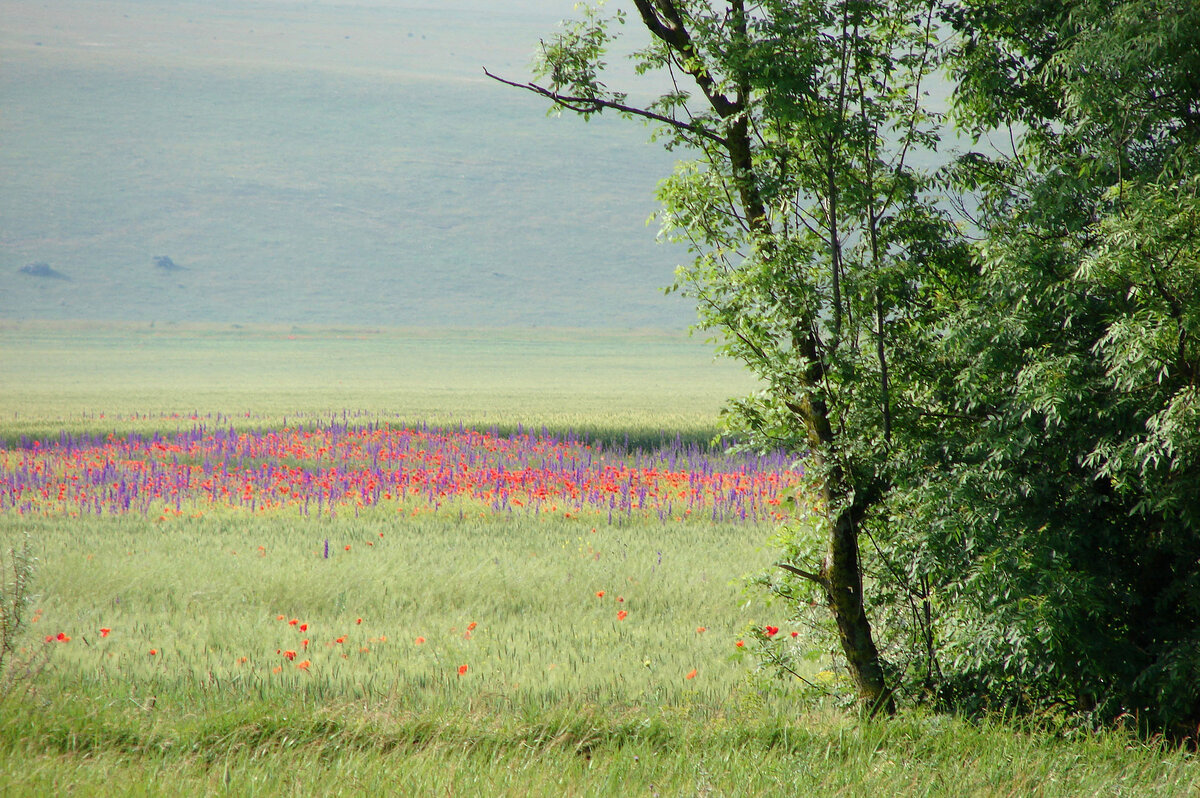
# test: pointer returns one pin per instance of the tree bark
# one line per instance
(842, 573)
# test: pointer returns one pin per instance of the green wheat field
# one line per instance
(469, 652)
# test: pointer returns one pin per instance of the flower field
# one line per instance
(392, 608)
(332, 469)
(339, 557)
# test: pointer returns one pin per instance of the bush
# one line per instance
(19, 665)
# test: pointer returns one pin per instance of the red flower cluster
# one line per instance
(323, 470)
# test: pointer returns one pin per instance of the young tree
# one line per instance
(819, 256)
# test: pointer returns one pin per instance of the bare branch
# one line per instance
(595, 104)
(817, 578)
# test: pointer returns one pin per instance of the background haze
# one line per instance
(314, 163)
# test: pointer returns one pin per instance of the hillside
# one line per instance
(313, 163)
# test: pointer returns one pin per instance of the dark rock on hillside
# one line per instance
(166, 264)
(43, 269)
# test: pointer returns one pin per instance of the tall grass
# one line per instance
(205, 597)
(174, 672)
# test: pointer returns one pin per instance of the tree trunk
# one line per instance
(842, 575)
(841, 571)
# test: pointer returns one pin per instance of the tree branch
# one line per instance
(666, 23)
(817, 578)
(595, 104)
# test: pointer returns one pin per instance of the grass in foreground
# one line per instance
(482, 744)
(559, 697)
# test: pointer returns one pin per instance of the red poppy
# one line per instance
(795, 634)
(740, 644)
(701, 630)
(599, 594)
(104, 631)
(359, 620)
(622, 615)
(691, 674)
(63, 637)
(772, 631)
(293, 622)
(303, 665)
(153, 651)
(347, 547)
(462, 669)
(290, 655)
(419, 640)
(471, 626)
(303, 627)
(341, 639)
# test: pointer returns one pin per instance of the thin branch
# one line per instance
(583, 105)
(778, 662)
(817, 578)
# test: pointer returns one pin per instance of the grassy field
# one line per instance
(451, 650)
(155, 377)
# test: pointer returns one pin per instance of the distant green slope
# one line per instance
(127, 376)
(309, 163)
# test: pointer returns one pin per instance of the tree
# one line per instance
(1081, 473)
(818, 252)
(999, 412)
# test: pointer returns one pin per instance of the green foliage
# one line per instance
(1058, 533)
(573, 60)
(14, 598)
(1000, 416)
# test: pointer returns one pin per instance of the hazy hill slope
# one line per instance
(313, 163)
